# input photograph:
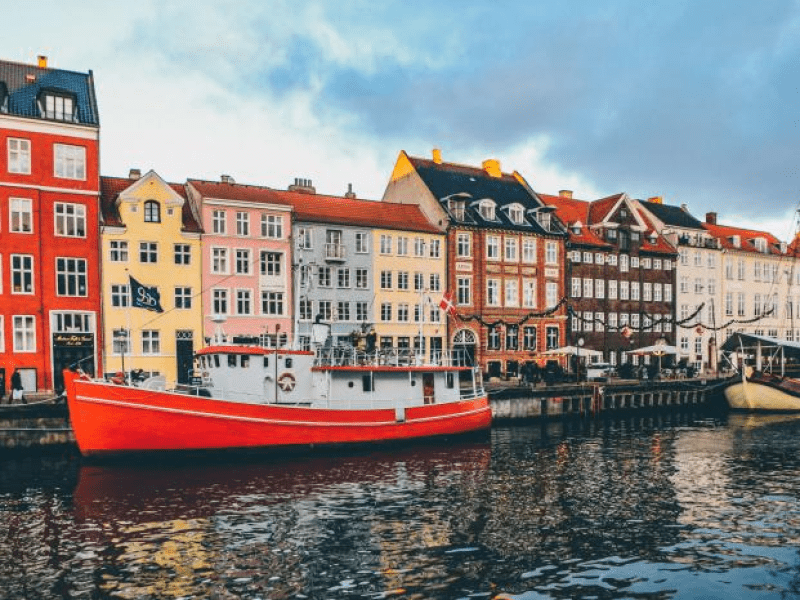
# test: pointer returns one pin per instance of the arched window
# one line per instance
(152, 212)
(465, 336)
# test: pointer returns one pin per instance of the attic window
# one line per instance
(515, 213)
(486, 209)
(736, 241)
(152, 212)
(576, 229)
(59, 106)
(760, 244)
(457, 207)
(653, 238)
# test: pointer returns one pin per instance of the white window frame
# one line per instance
(69, 162)
(18, 210)
(19, 158)
(151, 342)
(69, 269)
(69, 215)
(26, 273)
(23, 326)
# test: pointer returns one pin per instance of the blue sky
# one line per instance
(698, 102)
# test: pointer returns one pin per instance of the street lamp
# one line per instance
(581, 341)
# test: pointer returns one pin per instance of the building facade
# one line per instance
(505, 265)
(150, 233)
(49, 235)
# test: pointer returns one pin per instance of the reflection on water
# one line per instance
(670, 507)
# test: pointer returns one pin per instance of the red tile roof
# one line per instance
(571, 211)
(322, 208)
(724, 233)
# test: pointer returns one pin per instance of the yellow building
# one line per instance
(409, 282)
(150, 233)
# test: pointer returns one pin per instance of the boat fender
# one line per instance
(286, 381)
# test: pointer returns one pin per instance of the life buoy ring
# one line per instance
(286, 382)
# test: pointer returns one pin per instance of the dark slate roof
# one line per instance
(23, 90)
(672, 215)
(444, 179)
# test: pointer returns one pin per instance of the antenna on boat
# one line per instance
(219, 334)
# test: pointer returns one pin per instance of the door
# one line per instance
(66, 357)
(428, 394)
(184, 353)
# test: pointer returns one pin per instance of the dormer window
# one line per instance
(544, 220)
(458, 207)
(152, 212)
(736, 241)
(60, 106)
(486, 208)
(576, 229)
(760, 244)
(653, 238)
(515, 214)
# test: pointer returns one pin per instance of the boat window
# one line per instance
(216, 360)
(245, 361)
(231, 360)
(413, 382)
(366, 383)
(266, 361)
(350, 384)
(288, 363)
(450, 380)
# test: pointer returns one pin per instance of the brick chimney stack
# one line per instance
(711, 218)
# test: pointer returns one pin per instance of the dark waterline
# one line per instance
(673, 506)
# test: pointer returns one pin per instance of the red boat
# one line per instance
(247, 397)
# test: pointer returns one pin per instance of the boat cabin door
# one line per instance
(428, 394)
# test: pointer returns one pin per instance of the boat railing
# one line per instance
(345, 355)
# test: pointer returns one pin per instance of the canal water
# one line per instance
(676, 506)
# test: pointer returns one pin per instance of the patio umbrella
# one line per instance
(569, 350)
(654, 350)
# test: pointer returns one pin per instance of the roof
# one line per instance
(112, 187)
(320, 208)
(726, 233)
(445, 179)
(24, 83)
(674, 216)
(572, 211)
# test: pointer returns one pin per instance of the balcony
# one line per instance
(335, 252)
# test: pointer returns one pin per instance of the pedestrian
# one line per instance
(17, 390)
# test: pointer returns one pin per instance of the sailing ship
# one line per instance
(765, 385)
(249, 397)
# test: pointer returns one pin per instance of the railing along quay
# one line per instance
(595, 398)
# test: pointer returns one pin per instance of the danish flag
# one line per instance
(447, 304)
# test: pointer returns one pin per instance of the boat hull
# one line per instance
(763, 393)
(109, 419)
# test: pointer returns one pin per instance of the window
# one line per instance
(493, 337)
(740, 304)
(464, 245)
(402, 280)
(361, 311)
(343, 311)
(305, 238)
(219, 260)
(272, 304)
(58, 107)
(183, 297)
(435, 248)
(244, 302)
(612, 289)
(218, 222)
(242, 223)
(343, 278)
(740, 269)
(492, 292)
(599, 288)
(634, 290)
(529, 250)
(21, 274)
(511, 249)
(219, 299)
(242, 261)
(183, 254)
(623, 262)
(624, 290)
(402, 312)
(552, 337)
(464, 290)
(515, 213)
(512, 292)
(70, 219)
(529, 338)
(402, 246)
(386, 244)
(667, 292)
(151, 341)
(120, 295)
(551, 294)
(486, 209)
(434, 282)
(271, 263)
(19, 156)
(362, 279)
(512, 337)
(419, 247)
(551, 253)
(657, 292)
(634, 262)
(362, 242)
(271, 226)
(386, 311)
(419, 282)
(24, 333)
(70, 161)
(647, 291)
(588, 287)
(152, 212)
(324, 277)
(70, 276)
(529, 293)
(493, 247)
(118, 251)
(21, 215)
(121, 341)
(588, 258)
(386, 280)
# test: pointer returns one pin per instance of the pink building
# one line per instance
(246, 261)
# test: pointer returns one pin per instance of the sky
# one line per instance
(694, 101)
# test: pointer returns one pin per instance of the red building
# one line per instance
(49, 237)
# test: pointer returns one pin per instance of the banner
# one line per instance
(145, 297)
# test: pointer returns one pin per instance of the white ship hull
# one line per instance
(767, 394)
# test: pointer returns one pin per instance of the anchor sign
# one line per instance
(286, 382)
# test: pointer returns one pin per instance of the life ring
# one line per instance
(286, 381)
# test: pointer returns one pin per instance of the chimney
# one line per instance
(684, 208)
(134, 174)
(302, 185)
(42, 61)
(437, 156)
(492, 167)
(350, 193)
(565, 193)
(656, 199)
(226, 179)
(711, 218)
